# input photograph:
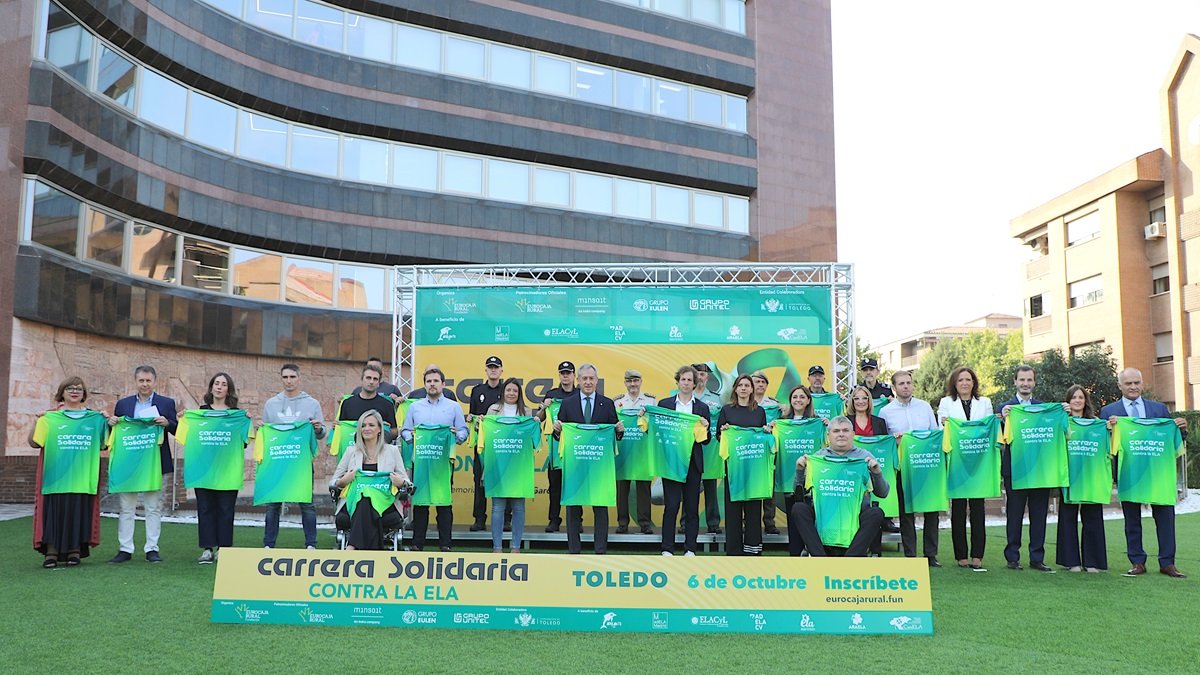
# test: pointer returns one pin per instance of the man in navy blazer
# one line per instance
(1037, 500)
(145, 403)
(588, 407)
(687, 492)
(1131, 404)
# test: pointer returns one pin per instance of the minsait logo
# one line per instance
(610, 621)
(906, 623)
(445, 334)
(806, 623)
(856, 622)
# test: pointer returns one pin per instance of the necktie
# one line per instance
(1136, 407)
(587, 410)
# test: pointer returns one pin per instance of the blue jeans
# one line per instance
(308, 518)
(499, 504)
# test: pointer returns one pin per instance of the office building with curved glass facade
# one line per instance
(226, 185)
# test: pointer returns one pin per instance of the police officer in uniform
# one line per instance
(483, 395)
(869, 370)
(712, 497)
(566, 388)
(634, 398)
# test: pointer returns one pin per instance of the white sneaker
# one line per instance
(689, 554)
(312, 548)
(207, 557)
(667, 553)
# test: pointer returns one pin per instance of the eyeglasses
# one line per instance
(76, 389)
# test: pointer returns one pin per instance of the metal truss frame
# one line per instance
(839, 277)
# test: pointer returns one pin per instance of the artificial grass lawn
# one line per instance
(101, 617)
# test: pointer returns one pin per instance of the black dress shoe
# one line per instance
(890, 525)
(445, 549)
(715, 530)
(478, 526)
(933, 562)
(1014, 565)
(121, 557)
(622, 529)
(771, 530)
(1041, 567)
(553, 527)
(646, 529)
(153, 556)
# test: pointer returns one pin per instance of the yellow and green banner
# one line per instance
(650, 594)
(736, 329)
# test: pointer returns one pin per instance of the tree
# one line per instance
(1093, 368)
(993, 358)
(929, 380)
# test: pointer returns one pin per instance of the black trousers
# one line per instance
(795, 543)
(908, 529)
(958, 527)
(743, 526)
(642, 494)
(479, 509)
(1073, 551)
(686, 494)
(445, 525)
(575, 528)
(803, 526)
(1037, 501)
(1164, 524)
(367, 528)
(769, 513)
(712, 504)
(214, 516)
(554, 512)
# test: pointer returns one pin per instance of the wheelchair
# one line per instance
(395, 536)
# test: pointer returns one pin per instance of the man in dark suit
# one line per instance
(146, 403)
(1037, 500)
(1132, 404)
(588, 407)
(687, 492)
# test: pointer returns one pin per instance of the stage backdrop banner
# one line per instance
(708, 594)
(735, 329)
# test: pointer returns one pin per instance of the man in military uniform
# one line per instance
(634, 398)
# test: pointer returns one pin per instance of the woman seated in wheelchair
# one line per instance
(381, 482)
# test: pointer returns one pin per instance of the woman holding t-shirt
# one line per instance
(743, 519)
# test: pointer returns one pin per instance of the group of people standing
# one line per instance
(384, 424)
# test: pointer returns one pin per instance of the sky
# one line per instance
(952, 118)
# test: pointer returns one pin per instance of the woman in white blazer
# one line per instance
(962, 401)
(369, 453)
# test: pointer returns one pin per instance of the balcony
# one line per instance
(1037, 268)
(1040, 325)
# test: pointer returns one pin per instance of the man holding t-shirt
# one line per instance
(292, 405)
(1037, 500)
(1133, 405)
(902, 415)
(368, 397)
(803, 523)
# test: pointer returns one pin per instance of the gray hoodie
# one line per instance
(279, 409)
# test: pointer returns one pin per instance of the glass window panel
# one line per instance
(103, 237)
(256, 274)
(205, 265)
(211, 122)
(634, 199)
(510, 67)
(418, 48)
(735, 113)
(462, 174)
(152, 252)
(508, 181)
(552, 75)
(115, 77)
(314, 151)
(594, 84)
(362, 287)
(464, 57)
(319, 25)
(415, 168)
(365, 160)
(552, 187)
(55, 221)
(671, 205)
(706, 107)
(272, 15)
(707, 11)
(739, 214)
(671, 100)
(308, 282)
(672, 7)
(735, 15)
(368, 38)
(68, 45)
(233, 7)
(593, 193)
(633, 92)
(262, 139)
(1084, 228)
(709, 210)
(163, 102)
